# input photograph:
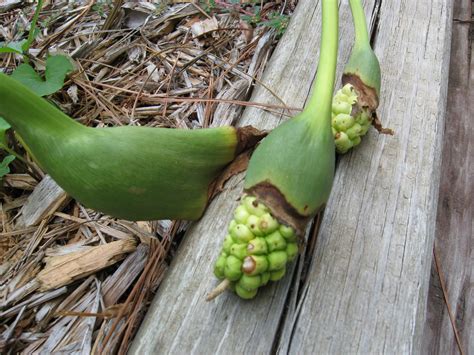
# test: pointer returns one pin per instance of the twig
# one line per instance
(224, 285)
(446, 301)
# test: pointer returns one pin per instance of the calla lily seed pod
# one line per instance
(354, 106)
(289, 177)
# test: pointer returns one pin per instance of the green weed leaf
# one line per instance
(278, 22)
(4, 127)
(4, 168)
(57, 68)
(13, 47)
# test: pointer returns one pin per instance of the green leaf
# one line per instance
(4, 168)
(4, 127)
(13, 47)
(57, 68)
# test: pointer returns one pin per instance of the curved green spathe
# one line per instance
(136, 173)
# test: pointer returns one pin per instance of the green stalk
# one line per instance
(360, 24)
(319, 103)
(31, 34)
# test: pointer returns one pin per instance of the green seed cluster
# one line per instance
(346, 128)
(256, 250)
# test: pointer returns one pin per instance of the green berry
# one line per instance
(220, 266)
(364, 128)
(276, 260)
(354, 131)
(228, 242)
(341, 107)
(232, 270)
(245, 294)
(347, 90)
(257, 246)
(253, 207)
(291, 251)
(250, 282)
(255, 264)
(239, 250)
(356, 141)
(241, 233)
(276, 241)
(364, 118)
(265, 278)
(343, 143)
(267, 224)
(277, 274)
(288, 233)
(232, 225)
(241, 214)
(343, 122)
(252, 224)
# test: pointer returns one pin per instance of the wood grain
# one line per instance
(455, 227)
(61, 270)
(179, 320)
(368, 282)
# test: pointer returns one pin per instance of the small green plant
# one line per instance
(4, 165)
(100, 6)
(208, 5)
(18, 47)
(22, 46)
(57, 67)
(277, 21)
(255, 18)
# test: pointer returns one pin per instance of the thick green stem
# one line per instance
(319, 104)
(360, 25)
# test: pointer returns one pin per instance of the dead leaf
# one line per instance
(202, 27)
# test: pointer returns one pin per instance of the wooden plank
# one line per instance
(369, 279)
(179, 320)
(46, 199)
(455, 227)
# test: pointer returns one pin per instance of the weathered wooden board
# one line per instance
(179, 320)
(369, 279)
(455, 221)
